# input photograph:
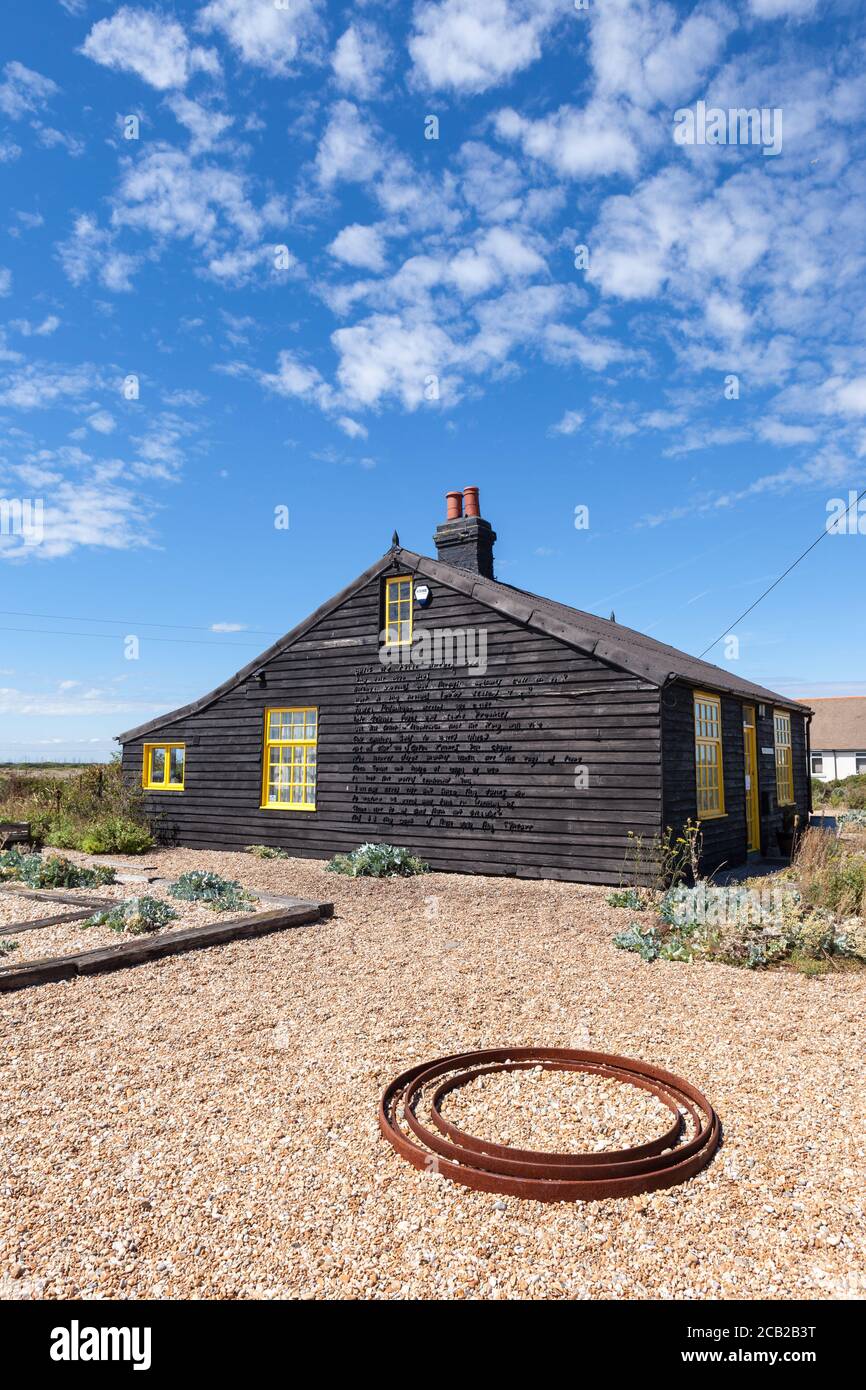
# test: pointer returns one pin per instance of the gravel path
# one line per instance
(205, 1126)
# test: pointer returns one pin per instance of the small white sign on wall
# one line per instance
(769, 751)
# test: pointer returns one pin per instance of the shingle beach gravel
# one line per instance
(205, 1126)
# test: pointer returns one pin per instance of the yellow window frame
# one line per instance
(292, 751)
(147, 777)
(709, 762)
(784, 757)
(398, 611)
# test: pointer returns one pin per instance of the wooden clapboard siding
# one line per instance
(473, 773)
(726, 837)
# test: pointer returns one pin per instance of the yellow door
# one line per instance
(750, 749)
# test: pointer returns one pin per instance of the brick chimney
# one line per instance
(465, 539)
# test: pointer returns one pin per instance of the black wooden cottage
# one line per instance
(487, 729)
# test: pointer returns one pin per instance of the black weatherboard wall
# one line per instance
(473, 772)
(576, 736)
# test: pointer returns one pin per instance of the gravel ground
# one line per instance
(64, 938)
(205, 1126)
(561, 1112)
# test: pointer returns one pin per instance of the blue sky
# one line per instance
(329, 311)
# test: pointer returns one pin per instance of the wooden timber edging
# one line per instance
(147, 948)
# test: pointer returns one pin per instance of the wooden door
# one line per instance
(750, 750)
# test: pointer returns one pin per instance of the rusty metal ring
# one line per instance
(537, 1174)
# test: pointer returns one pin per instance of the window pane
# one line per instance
(157, 764)
(175, 765)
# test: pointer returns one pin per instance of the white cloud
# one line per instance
(5, 281)
(265, 35)
(205, 125)
(9, 152)
(777, 432)
(348, 148)
(49, 325)
(81, 514)
(149, 44)
(351, 427)
(228, 627)
(23, 92)
(47, 705)
(102, 421)
(596, 141)
(782, 9)
(37, 387)
(359, 60)
(384, 356)
(569, 424)
(168, 195)
(361, 246)
(90, 251)
(472, 45)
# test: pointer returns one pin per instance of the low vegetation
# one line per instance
(6, 947)
(267, 852)
(811, 916)
(92, 810)
(220, 894)
(377, 861)
(135, 916)
(50, 871)
(848, 791)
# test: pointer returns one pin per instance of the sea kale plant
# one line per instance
(135, 916)
(377, 861)
(219, 894)
(51, 871)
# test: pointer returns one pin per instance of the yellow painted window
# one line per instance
(709, 771)
(398, 611)
(784, 758)
(289, 772)
(163, 767)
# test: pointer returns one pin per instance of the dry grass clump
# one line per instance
(831, 872)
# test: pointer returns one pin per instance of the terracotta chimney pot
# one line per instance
(470, 495)
(455, 505)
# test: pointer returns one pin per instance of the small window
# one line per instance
(859, 763)
(817, 764)
(708, 756)
(398, 611)
(784, 759)
(163, 767)
(289, 771)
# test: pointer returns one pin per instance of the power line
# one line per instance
(852, 503)
(121, 622)
(116, 637)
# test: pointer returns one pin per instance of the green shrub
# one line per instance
(645, 940)
(63, 810)
(377, 861)
(267, 852)
(627, 897)
(51, 872)
(135, 916)
(117, 835)
(220, 894)
(6, 947)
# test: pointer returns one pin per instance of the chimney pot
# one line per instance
(455, 505)
(472, 505)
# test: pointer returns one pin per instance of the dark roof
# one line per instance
(619, 646)
(839, 723)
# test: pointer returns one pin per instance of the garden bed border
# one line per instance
(147, 948)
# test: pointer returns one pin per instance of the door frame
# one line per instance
(750, 769)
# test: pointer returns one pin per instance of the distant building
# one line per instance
(838, 737)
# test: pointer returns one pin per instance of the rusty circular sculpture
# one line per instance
(670, 1158)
